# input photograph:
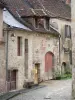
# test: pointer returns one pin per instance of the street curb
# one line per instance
(9, 95)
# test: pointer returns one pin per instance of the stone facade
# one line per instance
(38, 45)
(73, 47)
(2, 56)
(2, 69)
(59, 25)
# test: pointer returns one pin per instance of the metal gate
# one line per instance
(11, 80)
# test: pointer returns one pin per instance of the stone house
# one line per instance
(60, 20)
(62, 24)
(28, 45)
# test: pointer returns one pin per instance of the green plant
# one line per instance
(57, 75)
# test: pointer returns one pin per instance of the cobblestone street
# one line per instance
(54, 90)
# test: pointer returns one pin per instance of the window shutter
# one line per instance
(47, 23)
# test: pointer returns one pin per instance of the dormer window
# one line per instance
(39, 23)
(47, 23)
(36, 22)
(42, 23)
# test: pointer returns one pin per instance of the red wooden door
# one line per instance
(11, 82)
(48, 61)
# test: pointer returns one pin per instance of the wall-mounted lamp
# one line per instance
(12, 36)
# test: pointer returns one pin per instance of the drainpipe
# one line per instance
(59, 50)
(7, 34)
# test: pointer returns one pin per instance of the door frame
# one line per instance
(9, 81)
(37, 73)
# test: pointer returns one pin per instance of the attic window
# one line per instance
(36, 22)
(39, 22)
(47, 23)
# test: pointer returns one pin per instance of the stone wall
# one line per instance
(73, 47)
(2, 56)
(60, 27)
(38, 45)
(2, 69)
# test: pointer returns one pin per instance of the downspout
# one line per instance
(59, 50)
(7, 34)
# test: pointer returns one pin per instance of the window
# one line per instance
(42, 23)
(26, 45)
(39, 22)
(26, 58)
(36, 22)
(47, 23)
(19, 46)
(67, 31)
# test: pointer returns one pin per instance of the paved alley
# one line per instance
(53, 90)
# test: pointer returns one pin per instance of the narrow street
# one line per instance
(53, 90)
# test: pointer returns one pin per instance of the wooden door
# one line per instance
(48, 61)
(11, 81)
(37, 73)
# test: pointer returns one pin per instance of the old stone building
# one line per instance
(62, 23)
(63, 26)
(31, 47)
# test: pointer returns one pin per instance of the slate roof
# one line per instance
(57, 7)
(27, 8)
(53, 8)
(2, 5)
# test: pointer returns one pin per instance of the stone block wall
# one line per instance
(2, 69)
(73, 47)
(60, 27)
(38, 45)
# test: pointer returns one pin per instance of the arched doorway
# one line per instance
(63, 68)
(49, 60)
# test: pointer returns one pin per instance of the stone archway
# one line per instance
(63, 70)
(49, 61)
